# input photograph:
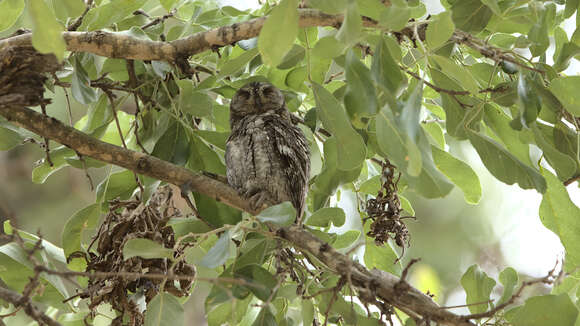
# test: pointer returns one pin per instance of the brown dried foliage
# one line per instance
(385, 211)
(127, 220)
(22, 74)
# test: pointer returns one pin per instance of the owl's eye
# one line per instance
(244, 93)
(267, 91)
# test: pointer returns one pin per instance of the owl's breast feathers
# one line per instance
(267, 153)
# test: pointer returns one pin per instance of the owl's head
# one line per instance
(256, 98)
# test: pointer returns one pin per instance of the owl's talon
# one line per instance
(259, 200)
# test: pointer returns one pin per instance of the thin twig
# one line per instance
(77, 23)
(46, 141)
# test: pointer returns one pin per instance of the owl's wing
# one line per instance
(294, 153)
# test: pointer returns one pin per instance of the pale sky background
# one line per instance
(525, 243)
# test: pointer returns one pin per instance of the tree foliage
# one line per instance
(378, 87)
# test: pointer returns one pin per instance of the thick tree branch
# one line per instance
(121, 45)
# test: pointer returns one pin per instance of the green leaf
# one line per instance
(360, 99)
(167, 4)
(9, 139)
(470, 16)
(196, 103)
(265, 318)
(564, 165)
(371, 186)
(109, 13)
(492, 4)
(459, 173)
(371, 8)
(559, 214)
(545, 310)
(283, 214)
(291, 59)
(328, 47)
(10, 11)
(509, 279)
(458, 73)
(396, 143)
(329, 6)
(528, 102)
(219, 253)
(235, 65)
(409, 120)
(382, 257)
(385, 70)
(436, 132)
(81, 84)
(145, 248)
(440, 30)
(454, 113)
(504, 165)
(120, 184)
(351, 147)
(260, 282)
(58, 158)
(565, 88)
(173, 146)
(279, 32)
(346, 239)
(478, 287)
(72, 233)
(46, 32)
(498, 121)
(396, 16)
(351, 29)
(406, 205)
(164, 310)
(324, 216)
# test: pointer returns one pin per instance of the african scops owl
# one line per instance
(267, 156)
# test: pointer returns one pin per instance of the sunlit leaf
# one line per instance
(459, 173)
(145, 248)
(219, 253)
(324, 216)
(509, 279)
(470, 15)
(282, 214)
(47, 32)
(351, 148)
(279, 32)
(559, 214)
(10, 11)
(564, 88)
(545, 310)
(504, 165)
(478, 287)
(9, 138)
(164, 310)
(83, 220)
(440, 29)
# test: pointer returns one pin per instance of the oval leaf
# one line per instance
(324, 216)
(279, 32)
(145, 248)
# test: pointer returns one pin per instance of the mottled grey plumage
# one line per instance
(267, 157)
